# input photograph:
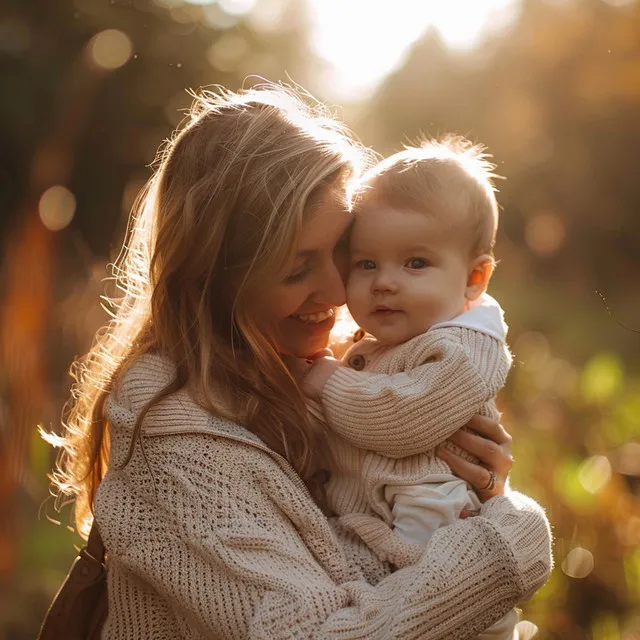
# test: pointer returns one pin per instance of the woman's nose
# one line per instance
(332, 290)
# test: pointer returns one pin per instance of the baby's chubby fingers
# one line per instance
(298, 367)
(313, 381)
(325, 353)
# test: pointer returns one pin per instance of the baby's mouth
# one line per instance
(383, 310)
(314, 318)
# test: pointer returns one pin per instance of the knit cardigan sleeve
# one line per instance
(456, 371)
(236, 549)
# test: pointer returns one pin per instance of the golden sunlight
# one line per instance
(365, 40)
(362, 41)
(342, 333)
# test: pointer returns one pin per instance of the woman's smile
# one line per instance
(300, 312)
(315, 318)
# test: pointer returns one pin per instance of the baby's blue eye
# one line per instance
(366, 264)
(417, 263)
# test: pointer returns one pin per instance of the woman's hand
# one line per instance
(488, 441)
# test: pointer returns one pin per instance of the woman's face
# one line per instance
(297, 308)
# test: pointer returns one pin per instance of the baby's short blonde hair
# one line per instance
(450, 177)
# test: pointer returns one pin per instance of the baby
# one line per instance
(421, 258)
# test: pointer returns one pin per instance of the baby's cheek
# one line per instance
(357, 296)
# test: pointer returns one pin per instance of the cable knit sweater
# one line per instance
(209, 534)
(401, 402)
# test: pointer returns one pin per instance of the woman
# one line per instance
(188, 433)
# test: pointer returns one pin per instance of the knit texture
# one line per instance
(209, 534)
(388, 418)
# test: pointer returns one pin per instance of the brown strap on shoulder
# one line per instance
(80, 607)
(95, 546)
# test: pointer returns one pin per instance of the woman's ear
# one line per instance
(480, 272)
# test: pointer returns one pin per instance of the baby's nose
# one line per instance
(384, 282)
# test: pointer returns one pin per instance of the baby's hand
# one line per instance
(316, 376)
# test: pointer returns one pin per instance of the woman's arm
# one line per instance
(410, 412)
(236, 547)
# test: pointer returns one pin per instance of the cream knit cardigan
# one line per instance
(210, 534)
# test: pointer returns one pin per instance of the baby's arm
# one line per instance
(407, 413)
(317, 376)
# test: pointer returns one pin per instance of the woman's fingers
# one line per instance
(491, 454)
(490, 429)
(478, 477)
(490, 444)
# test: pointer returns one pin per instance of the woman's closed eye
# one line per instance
(298, 275)
(367, 265)
(417, 263)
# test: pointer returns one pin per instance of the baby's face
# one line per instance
(407, 273)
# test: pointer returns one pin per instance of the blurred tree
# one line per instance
(109, 80)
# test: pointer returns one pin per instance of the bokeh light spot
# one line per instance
(602, 377)
(236, 7)
(226, 53)
(594, 473)
(526, 630)
(545, 233)
(57, 207)
(110, 49)
(267, 16)
(569, 487)
(578, 563)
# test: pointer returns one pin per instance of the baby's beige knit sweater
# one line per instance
(210, 534)
(388, 416)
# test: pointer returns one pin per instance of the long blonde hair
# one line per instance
(224, 207)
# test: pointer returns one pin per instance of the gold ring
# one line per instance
(492, 482)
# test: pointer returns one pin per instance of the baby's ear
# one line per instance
(478, 277)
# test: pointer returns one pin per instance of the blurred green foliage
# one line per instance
(555, 97)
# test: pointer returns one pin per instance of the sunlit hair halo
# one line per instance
(449, 176)
(229, 195)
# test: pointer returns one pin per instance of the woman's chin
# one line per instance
(306, 350)
(302, 339)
